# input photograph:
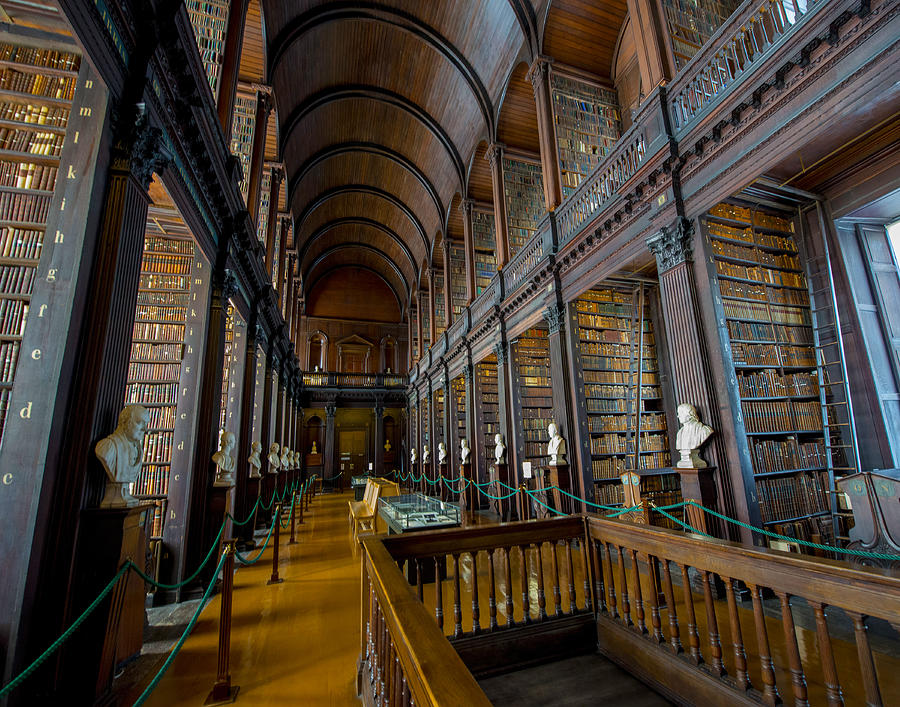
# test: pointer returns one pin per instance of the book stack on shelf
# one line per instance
(426, 326)
(692, 23)
(209, 19)
(424, 421)
(438, 396)
(265, 196)
(765, 303)
(242, 127)
(36, 90)
(458, 390)
(524, 188)
(227, 366)
(485, 242)
(588, 124)
(157, 349)
(440, 321)
(457, 278)
(487, 398)
(534, 394)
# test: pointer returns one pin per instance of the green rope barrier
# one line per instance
(179, 585)
(680, 522)
(36, 663)
(247, 562)
(266, 507)
(497, 498)
(177, 648)
(248, 518)
(284, 524)
(549, 508)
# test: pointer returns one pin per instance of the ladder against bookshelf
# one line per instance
(484, 238)
(457, 278)
(157, 350)
(209, 19)
(487, 412)
(36, 91)
(534, 396)
(588, 124)
(523, 185)
(765, 303)
(691, 24)
(623, 395)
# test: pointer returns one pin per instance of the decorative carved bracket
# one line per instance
(672, 245)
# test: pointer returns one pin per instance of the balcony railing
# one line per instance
(529, 255)
(354, 380)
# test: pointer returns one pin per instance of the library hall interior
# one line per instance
(398, 353)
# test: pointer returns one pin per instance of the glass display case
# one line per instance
(358, 484)
(417, 511)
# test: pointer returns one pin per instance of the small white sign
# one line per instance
(371, 466)
(342, 467)
(526, 469)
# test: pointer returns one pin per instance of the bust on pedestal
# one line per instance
(501, 470)
(558, 467)
(254, 460)
(274, 459)
(556, 449)
(224, 461)
(697, 482)
(121, 455)
(691, 436)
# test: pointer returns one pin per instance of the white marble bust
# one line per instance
(285, 458)
(295, 459)
(442, 453)
(426, 455)
(224, 461)
(274, 459)
(691, 436)
(556, 449)
(464, 451)
(413, 457)
(121, 454)
(499, 449)
(254, 461)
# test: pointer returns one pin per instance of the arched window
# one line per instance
(317, 351)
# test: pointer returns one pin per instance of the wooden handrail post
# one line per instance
(223, 692)
(275, 579)
(293, 540)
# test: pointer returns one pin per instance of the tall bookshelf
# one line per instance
(534, 395)
(626, 420)
(691, 24)
(523, 185)
(440, 316)
(438, 398)
(484, 238)
(457, 278)
(425, 422)
(242, 127)
(258, 394)
(157, 348)
(265, 198)
(458, 391)
(488, 401)
(588, 123)
(209, 19)
(36, 91)
(227, 366)
(766, 308)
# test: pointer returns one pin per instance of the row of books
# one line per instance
(159, 372)
(605, 295)
(157, 312)
(781, 416)
(174, 298)
(13, 313)
(652, 442)
(616, 308)
(648, 376)
(158, 447)
(32, 56)
(766, 331)
(762, 243)
(538, 433)
(161, 418)
(620, 336)
(524, 190)
(9, 354)
(608, 444)
(788, 454)
(610, 494)
(692, 23)
(607, 468)
(777, 314)
(786, 497)
(760, 274)
(35, 84)
(654, 460)
(155, 281)
(593, 348)
(598, 364)
(16, 280)
(739, 252)
(771, 383)
(152, 393)
(146, 351)
(25, 243)
(617, 391)
(160, 263)
(601, 423)
(34, 142)
(535, 449)
(158, 332)
(153, 480)
(31, 208)
(762, 293)
(608, 321)
(27, 175)
(763, 219)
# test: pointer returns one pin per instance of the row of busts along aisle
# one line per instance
(121, 453)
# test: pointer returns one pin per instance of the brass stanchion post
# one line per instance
(223, 692)
(275, 579)
(293, 540)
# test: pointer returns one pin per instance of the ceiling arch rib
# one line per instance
(381, 95)
(527, 20)
(294, 30)
(366, 148)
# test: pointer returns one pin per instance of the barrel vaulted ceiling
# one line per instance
(384, 112)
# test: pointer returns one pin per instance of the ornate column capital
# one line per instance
(265, 100)
(556, 318)
(672, 245)
(495, 154)
(378, 410)
(330, 408)
(139, 146)
(501, 353)
(466, 206)
(538, 71)
(468, 374)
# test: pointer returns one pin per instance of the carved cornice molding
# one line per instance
(672, 245)
(501, 352)
(556, 318)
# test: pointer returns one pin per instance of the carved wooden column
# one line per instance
(539, 73)
(258, 155)
(330, 411)
(448, 437)
(495, 157)
(279, 404)
(243, 487)
(267, 434)
(378, 419)
(419, 314)
(688, 358)
(282, 265)
(287, 309)
(275, 177)
(448, 299)
(432, 320)
(409, 338)
(560, 377)
(468, 248)
(231, 64)
(505, 415)
(648, 27)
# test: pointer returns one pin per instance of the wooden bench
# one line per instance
(362, 513)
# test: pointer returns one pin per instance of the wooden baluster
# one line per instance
(606, 561)
(583, 554)
(833, 692)
(405, 697)
(557, 594)
(798, 679)
(397, 681)
(476, 610)
(737, 637)
(712, 627)
(693, 635)
(382, 661)
(672, 611)
(599, 588)
(438, 594)
(638, 592)
(389, 673)
(523, 573)
(542, 600)
(507, 569)
(573, 604)
(623, 587)
(492, 597)
(866, 666)
(770, 690)
(653, 576)
(457, 608)
(420, 591)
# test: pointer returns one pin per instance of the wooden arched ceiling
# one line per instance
(454, 220)
(517, 123)
(381, 106)
(354, 293)
(357, 254)
(480, 184)
(583, 33)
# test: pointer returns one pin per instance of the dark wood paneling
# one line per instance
(583, 33)
(353, 293)
(517, 124)
(480, 184)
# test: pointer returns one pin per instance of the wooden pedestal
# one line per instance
(700, 485)
(441, 490)
(244, 536)
(500, 472)
(468, 500)
(107, 538)
(559, 478)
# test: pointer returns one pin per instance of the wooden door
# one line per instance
(353, 452)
